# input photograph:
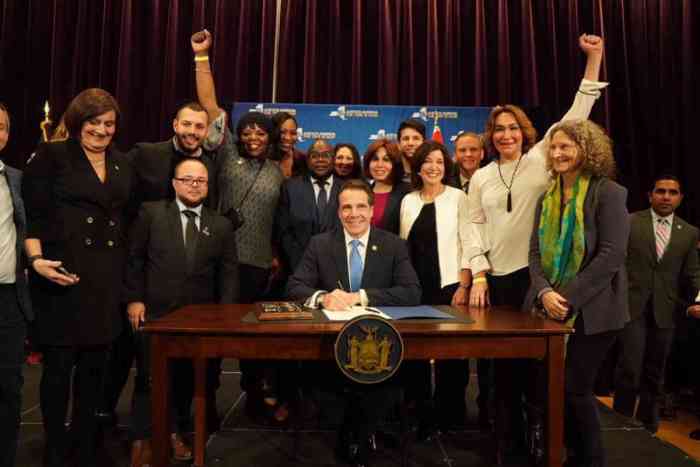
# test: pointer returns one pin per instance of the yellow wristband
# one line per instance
(478, 280)
(201, 58)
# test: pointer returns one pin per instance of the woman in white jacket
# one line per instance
(435, 227)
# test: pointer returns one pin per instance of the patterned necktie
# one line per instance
(355, 266)
(465, 187)
(191, 234)
(662, 228)
(322, 199)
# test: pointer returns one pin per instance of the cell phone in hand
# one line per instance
(63, 270)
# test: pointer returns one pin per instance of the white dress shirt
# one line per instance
(8, 232)
(313, 301)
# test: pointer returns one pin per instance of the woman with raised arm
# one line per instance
(77, 193)
(577, 269)
(502, 199)
(249, 191)
(249, 183)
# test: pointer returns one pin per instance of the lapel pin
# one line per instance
(116, 167)
(678, 227)
(374, 247)
(240, 161)
(205, 230)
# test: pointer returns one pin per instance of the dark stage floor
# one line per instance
(242, 442)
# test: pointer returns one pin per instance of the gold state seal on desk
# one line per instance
(368, 349)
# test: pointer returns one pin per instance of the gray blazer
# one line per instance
(14, 182)
(663, 281)
(599, 290)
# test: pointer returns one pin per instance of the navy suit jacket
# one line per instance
(298, 217)
(599, 290)
(388, 277)
(14, 182)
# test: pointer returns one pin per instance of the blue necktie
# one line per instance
(355, 266)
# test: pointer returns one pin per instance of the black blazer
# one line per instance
(599, 290)
(83, 223)
(659, 283)
(392, 213)
(388, 277)
(297, 219)
(157, 272)
(14, 183)
(154, 165)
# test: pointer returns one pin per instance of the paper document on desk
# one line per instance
(352, 313)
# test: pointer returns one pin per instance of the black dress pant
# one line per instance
(54, 395)
(12, 333)
(515, 379)
(584, 356)
(644, 350)
(118, 367)
(181, 392)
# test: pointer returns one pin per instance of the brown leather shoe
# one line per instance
(141, 453)
(181, 450)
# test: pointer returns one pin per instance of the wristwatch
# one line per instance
(33, 258)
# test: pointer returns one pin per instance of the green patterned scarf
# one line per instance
(562, 242)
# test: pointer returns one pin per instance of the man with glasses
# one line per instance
(308, 204)
(180, 253)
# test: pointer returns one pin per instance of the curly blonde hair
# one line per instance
(594, 145)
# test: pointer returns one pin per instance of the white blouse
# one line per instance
(452, 229)
(499, 240)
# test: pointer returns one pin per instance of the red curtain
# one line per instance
(427, 52)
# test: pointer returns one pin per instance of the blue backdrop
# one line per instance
(361, 124)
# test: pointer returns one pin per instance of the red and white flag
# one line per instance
(437, 134)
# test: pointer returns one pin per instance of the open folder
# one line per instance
(388, 312)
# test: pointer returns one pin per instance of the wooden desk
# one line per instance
(206, 331)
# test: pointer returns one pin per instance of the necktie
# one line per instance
(661, 237)
(322, 199)
(355, 266)
(191, 234)
(465, 187)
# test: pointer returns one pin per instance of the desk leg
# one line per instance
(555, 407)
(200, 410)
(160, 378)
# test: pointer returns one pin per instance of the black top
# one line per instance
(422, 246)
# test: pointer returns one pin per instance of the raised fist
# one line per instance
(591, 43)
(201, 42)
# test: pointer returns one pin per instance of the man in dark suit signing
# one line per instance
(14, 296)
(662, 261)
(180, 253)
(356, 265)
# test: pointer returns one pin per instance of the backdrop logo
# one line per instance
(425, 115)
(381, 134)
(343, 113)
(271, 110)
(304, 135)
(422, 114)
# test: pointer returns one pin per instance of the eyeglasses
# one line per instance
(321, 155)
(192, 181)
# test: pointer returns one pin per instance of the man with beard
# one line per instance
(154, 162)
